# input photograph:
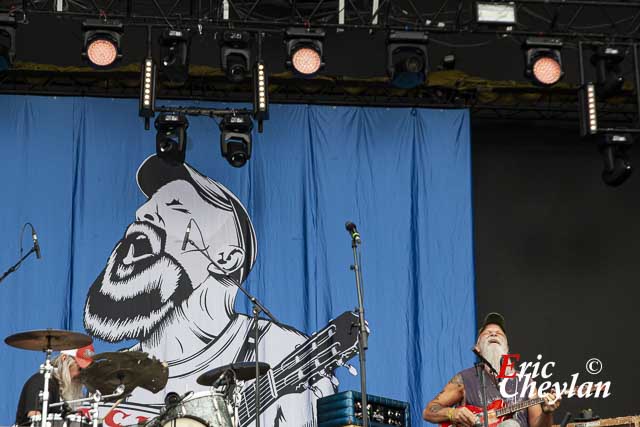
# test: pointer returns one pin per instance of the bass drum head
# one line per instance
(185, 421)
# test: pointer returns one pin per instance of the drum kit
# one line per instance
(119, 373)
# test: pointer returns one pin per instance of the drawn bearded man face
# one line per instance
(148, 276)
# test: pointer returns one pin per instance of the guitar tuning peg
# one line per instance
(315, 390)
(334, 381)
(351, 369)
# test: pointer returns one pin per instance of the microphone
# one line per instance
(36, 245)
(186, 236)
(476, 351)
(353, 231)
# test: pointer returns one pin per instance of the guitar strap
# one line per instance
(248, 349)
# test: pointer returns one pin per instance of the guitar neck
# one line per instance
(308, 363)
(518, 406)
(246, 407)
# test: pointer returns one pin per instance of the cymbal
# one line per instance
(244, 371)
(54, 339)
(130, 368)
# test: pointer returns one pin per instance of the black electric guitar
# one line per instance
(311, 361)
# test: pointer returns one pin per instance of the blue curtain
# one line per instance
(402, 175)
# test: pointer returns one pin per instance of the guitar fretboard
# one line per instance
(518, 406)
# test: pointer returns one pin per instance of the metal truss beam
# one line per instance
(515, 103)
(570, 19)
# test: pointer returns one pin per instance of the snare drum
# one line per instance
(203, 409)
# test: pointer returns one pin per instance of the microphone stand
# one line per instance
(480, 368)
(362, 331)
(15, 266)
(257, 308)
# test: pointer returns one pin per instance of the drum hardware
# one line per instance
(130, 369)
(240, 371)
(202, 409)
(95, 400)
(47, 340)
(56, 420)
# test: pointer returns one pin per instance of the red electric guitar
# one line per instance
(498, 412)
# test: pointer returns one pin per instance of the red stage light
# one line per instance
(547, 70)
(102, 52)
(306, 61)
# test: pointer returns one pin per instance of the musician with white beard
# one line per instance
(465, 387)
(63, 384)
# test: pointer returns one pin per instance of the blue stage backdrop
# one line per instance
(111, 219)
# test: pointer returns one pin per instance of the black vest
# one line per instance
(473, 396)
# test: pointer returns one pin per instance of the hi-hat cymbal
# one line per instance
(54, 339)
(130, 368)
(244, 371)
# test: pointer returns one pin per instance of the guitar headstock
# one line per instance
(323, 352)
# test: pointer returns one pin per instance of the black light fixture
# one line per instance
(174, 54)
(171, 137)
(448, 62)
(543, 61)
(101, 46)
(304, 50)
(407, 58)
(609, 79)
(614, 149)
(235, 54)
(7, 41)
(235, 138)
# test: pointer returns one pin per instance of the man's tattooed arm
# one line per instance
(438, 409)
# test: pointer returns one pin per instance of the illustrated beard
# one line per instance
(493, 352)
(139, 291)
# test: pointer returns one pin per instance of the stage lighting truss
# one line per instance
(7, 41)
(304, 48)
(171, 137)
(543, 61)
(101, 46)
(407, 58)
(235, 54)
(235, 138)
(609, 79)
(260, 93)
(174, 53)
(147, 90)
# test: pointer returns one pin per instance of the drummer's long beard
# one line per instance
(135, 301)
(69, 389)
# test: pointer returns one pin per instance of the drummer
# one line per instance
(63, 385)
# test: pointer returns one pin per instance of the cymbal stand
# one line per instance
(46, 368)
